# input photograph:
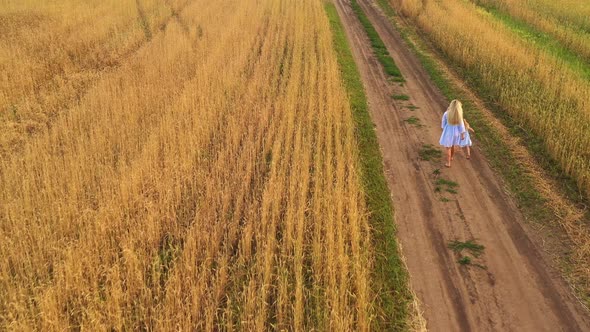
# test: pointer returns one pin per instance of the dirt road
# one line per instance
(516, 291)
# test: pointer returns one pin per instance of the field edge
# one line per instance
(391, 280)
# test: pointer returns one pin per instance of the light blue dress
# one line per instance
(467, 140)
(451, 134)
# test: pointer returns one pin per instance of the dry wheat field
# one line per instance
(565, 21)
(51, 51)
(178, 165)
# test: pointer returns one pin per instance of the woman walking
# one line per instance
(453, 129)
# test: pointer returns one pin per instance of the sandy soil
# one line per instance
(513, 288)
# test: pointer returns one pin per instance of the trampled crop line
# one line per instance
(143, 21)
(176, 15)
(81, 90)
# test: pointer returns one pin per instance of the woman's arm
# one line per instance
(444, 120)
(468, 126)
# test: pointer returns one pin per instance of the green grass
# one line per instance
(474, 248)
(515, 175)
(428, 152)
(448, 185)
(377, 44)
(401, 97)
(451, 191)
(413, 121)
(465, 260)
(390, 275)
(542, 41)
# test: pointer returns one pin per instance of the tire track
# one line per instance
(176, 16)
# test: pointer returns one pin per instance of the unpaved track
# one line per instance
(517, 291)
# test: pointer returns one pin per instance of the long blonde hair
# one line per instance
(455, 113)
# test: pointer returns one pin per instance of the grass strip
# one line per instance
(520, 183)
(377, 44)
(390, 276)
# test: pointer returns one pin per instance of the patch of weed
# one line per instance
(474, 248)
(429, 152)
(465, 260)
(400, 97)
(451, 190)
(448, 185)
(413, 121)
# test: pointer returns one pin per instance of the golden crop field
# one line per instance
(51, 51)
(567, 21)
(573, 12)
(537, 88)
(195, 172)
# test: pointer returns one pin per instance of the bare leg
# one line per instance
(452, 152)
(468, 152)
(449, 157)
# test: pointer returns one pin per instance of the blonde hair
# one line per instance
(455, 113)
